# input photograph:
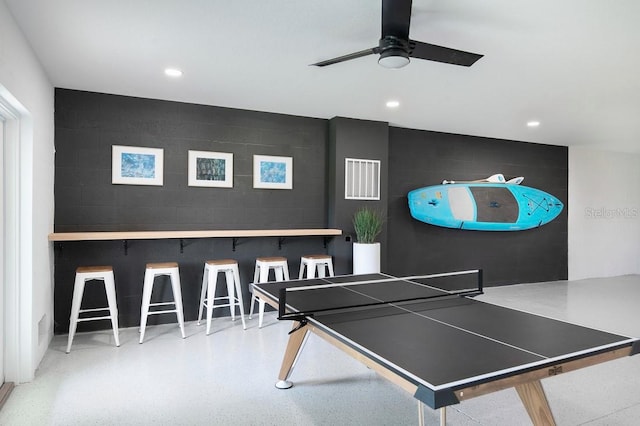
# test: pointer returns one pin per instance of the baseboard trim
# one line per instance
(5, 391)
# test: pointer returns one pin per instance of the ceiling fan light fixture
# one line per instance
(394, 58)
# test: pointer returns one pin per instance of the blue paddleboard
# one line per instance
(484, 206)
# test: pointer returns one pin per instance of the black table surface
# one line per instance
(440, 343)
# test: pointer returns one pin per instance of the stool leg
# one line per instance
(261, 312)
(330, 268)
(301, 274)
(236, 279)
(147, 289)
(211, 293)
(253, 300)
(231, 293)
(311, 269)
(78, 290)
(110, 287)
(285, 271)
(321, 269)
(264, 274)
(177, 295)
(203, 292)
(256, 275)
(264, 277)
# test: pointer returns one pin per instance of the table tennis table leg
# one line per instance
(535, 401)
(443, 415)
(294, 346)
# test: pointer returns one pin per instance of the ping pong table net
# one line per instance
(306, 299)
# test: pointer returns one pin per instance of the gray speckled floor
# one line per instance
(228, 377)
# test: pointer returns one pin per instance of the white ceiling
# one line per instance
(571, 64)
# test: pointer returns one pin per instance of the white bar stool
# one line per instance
(261, 275)
(207, 296)
(152, 271)
(314, 262)
(90, 273)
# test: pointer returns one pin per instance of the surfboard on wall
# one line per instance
(485, 206)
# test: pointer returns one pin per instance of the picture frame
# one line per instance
(210, 169)
(133, 165)
(272, 172)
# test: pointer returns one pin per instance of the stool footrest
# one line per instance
(221, 306)
(163, 312)
(93, 310)
(236, 300)
(93, 318)
(161, 304)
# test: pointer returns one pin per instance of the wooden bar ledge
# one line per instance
(158, 235)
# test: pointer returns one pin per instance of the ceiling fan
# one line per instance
(395, 47)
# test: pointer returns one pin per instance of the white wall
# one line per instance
(22, 76)
(604, 213)
(604, 200)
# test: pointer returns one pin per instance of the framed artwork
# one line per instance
(132, 165)
(213, 169)
(272, 172)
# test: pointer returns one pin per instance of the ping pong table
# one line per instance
(441, 345)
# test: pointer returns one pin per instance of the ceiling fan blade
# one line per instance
(431, 52)
(348, 57)
(396, 17)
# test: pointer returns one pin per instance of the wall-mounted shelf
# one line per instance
(234, 234)
(159, 235)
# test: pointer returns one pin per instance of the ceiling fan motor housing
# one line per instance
(394, 52)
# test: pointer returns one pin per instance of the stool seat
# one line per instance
(271, 259)
(92, 269)
(162, 265)
(86, 274)
(207, 295)
(153, 270)
(317, 256)
(217, 262)
(261, 275)
(316, 263)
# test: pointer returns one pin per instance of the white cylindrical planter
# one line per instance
(366, 258)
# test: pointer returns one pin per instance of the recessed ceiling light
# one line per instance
(533, 123)
(393, 104)
(173, 72)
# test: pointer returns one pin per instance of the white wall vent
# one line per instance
(361, 179)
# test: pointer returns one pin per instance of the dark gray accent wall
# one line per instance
(361, 139)
(423, 158)
(88, 124)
